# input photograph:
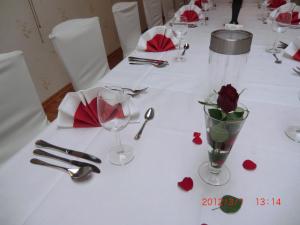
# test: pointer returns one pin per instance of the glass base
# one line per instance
(216, 179)
(121, 155)
(293, 132)
(273, 50)
(180, 59)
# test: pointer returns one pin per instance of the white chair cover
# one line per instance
(168, 9)
(126, 15)
(153, 12)
(79, 44)
(21, 114)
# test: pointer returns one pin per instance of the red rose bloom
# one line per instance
(228, 98)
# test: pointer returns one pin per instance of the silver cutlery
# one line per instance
(75, 173)
(138, 59)
(297, 70)
(158, 65)
(278, 61)
(132, 91)
(73, 162)
(282, 45)
(186, 46)
(148, 116)
(190, 25)
(44, 144)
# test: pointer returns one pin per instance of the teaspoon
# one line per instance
(148, 116)
(185, 47)
(75, 173)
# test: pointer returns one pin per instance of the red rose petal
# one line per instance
(249, 165)
(197, 134)
(186, 184)
(197, 140)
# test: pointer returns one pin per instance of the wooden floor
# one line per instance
(51, 105)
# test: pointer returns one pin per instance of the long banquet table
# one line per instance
(145, 191)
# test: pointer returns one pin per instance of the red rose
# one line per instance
(228, 98)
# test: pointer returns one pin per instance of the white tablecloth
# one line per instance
(145, 192)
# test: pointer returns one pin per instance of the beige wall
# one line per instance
(18, 31)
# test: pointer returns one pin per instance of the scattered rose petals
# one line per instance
(186, 184)
(249, 165)
(197, 134)
(197, 140)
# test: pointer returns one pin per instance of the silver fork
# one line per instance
(156, 64)
(297, 70)
(282, 45)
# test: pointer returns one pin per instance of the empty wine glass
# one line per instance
(280, 23)
(293, 132)
(180, 30)
(114, 115)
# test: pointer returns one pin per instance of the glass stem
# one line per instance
(179, 47)
(119, 143)
(276, 40)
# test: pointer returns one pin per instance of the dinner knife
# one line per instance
(44, 144)
(73, 162)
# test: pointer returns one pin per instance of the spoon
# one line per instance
(148, 116)
(75, 173)
(185, 47)
(277, 60)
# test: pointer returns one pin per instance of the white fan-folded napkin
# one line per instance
(189, 13)
(79, 110)
(293, 49)
(158, 39)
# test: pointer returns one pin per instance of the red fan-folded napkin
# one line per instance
(276, 3)
(293, 49)
(198, 3)
(295, 18)
(79, 109)
(189, 16)
(158, 39)
(160, 43)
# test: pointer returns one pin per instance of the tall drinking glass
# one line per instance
(280, 23)
(113, 108)
(221, 136)
(180, 30)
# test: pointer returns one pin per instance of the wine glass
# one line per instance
(180, 30)
(280, 23)
(114, 114)
(293, 132)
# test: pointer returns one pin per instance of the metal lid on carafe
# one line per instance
(230, 42)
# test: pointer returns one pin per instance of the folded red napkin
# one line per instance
(295, 18)
(79, 109)
(198, 3)
(276, 3)
(189, 16)
(293, 49)
(158, 39)
(189, 13)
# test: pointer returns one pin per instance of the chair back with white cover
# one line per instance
(79, 44)
(168, 9)
(153, 12)
(127, 20)
(21, 114)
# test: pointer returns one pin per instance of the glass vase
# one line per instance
(221, 136)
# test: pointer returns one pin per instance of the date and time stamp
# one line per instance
(259, 201)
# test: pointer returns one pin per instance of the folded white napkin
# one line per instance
(158, 39)
(229, 26)
(79, 109)
(293, 49)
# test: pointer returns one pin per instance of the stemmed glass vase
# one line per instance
(113, 108)
(280, 23)
(221, 136)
